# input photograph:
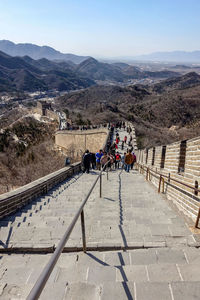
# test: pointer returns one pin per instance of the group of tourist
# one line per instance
(104, 160)
(86, 127)
(111, 159)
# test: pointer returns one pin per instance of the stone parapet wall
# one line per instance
(179, 161)
(14, 200)
(77, 141)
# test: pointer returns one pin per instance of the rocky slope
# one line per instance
(26, 149)
(160, 114)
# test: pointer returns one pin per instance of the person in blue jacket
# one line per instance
(98, 159)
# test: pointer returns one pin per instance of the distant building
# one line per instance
(43, 107)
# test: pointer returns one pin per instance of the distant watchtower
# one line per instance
(43, 107)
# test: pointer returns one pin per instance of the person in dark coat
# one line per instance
(86, 161)
(93, 160)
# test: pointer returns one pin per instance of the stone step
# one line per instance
(146, 274)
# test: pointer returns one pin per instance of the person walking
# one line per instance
(117, 160)
(123, 160)
(117, 140)
(86, 161)
(98, 159)
(128, 160)
(104, 160)
(93, 160)
(110, 161)
(134, 160)
(112, 149)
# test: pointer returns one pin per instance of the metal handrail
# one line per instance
(168, 183)
(171, 178)
(40, 283)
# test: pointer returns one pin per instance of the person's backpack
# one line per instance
(118, 157)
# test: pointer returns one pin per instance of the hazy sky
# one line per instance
(103, 27)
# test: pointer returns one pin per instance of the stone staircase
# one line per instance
(140, 274)
(142, 247)
(130, 214)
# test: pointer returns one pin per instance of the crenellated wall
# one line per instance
(77, 141)
(179, 161)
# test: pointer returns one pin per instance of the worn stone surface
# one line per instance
(170, 256)
(143, 257)
(83, 291)
(163, 273)
(118, 290)
(101, 274)
(155, 291)
(131, 273)
(185, 290)
(130, 217)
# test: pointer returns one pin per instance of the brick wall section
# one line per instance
(172, 158)
(79, 141)
(150, 157)
(184, 197)
(157, 161)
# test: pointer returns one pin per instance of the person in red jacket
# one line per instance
(117, 160)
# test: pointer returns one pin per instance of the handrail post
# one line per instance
(197, 220)
(83, 231)
(159, 184)
(169, 177)
(100, 186)
(147, 174)
(163, 185)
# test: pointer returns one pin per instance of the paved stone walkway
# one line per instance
(159, 261)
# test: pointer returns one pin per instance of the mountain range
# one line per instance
(173, 56)
(37, 52)
(118, 72)
(27, 74)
